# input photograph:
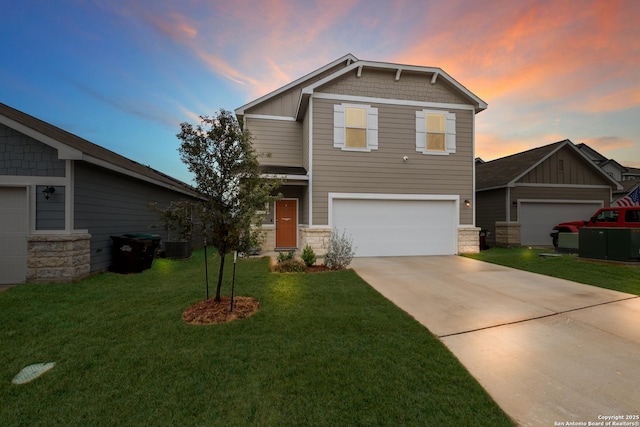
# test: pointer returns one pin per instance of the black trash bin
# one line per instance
(133, 253)
(151, 242)
(483, 239)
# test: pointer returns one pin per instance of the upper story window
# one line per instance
(355, 127)
(435, 132)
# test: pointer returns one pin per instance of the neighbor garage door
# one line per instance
(13, 235)
(538, 218)
(398, 227)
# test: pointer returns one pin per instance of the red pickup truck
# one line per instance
(621, 216)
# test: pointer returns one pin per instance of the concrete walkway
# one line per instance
(549, 351)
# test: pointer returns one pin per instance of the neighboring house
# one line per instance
(381, 151)
(521, 197)
(632, 174)
(610, 166)
(62, 197)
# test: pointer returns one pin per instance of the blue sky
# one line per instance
(124, 74)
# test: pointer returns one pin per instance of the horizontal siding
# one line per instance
(108, 204)
(565, 167)
(282, 139)
(286, 103)
(382, 84)
(552, 193)
(50, 213)
(383, 170)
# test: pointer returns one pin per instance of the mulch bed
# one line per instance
(210, 311)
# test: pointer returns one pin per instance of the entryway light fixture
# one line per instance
(48, 191)
(467, 203)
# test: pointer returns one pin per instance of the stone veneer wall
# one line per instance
(507, 234)
(468, 240)
(317, 238)
(58, 257)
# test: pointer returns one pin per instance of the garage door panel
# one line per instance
(397, 227)
(13, 235)
(537, 219)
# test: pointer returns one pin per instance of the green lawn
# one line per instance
(324, 349)
(619, 277)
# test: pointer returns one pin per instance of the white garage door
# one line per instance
(13, 235)
(538, 218)
(398, 227)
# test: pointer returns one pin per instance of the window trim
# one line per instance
(421, 132)
(340, 127)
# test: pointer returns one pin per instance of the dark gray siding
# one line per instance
(24, 156)
(491, 207)
(50, 212)
(109, 204)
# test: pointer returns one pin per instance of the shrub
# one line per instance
(308, 256)
(285, 256)
(291, 266)
(340, 251)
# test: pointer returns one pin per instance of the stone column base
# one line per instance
(507, 234)
(58, 258)
(317, 238)
(468, 240)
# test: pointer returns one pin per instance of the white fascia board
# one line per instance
(573, 186)
(64, 151)
(286, 177)
(561, 201)
(389, 101)
(385, 65)
(270, 117)
(240, 110)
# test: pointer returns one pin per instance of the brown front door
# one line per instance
(286, 223)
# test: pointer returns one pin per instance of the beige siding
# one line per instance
(556, 193)
(283, 139)
(286, 103)
(383, 170)
(382, 84)
(565, 167)
(490, 207)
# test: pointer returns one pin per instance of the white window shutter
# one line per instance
(372, 128)
(338, 126)
(451, 133)
(421, 131)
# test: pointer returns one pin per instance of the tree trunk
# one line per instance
(220, 273)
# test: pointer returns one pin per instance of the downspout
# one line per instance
(508, 201)
(310, 170)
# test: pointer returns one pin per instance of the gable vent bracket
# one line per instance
(398, 74)
(359, 71)
(434, 77)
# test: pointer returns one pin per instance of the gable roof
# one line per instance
(352, 63)
(506, 171)
(72, 147)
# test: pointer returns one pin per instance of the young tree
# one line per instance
(225, 165)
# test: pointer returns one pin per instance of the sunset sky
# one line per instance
(124, 74)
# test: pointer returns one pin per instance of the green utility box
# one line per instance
(612, 243)
(593, 243)
(623, 244)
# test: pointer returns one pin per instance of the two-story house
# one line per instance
(381, 151)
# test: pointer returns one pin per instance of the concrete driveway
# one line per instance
(548, 350)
